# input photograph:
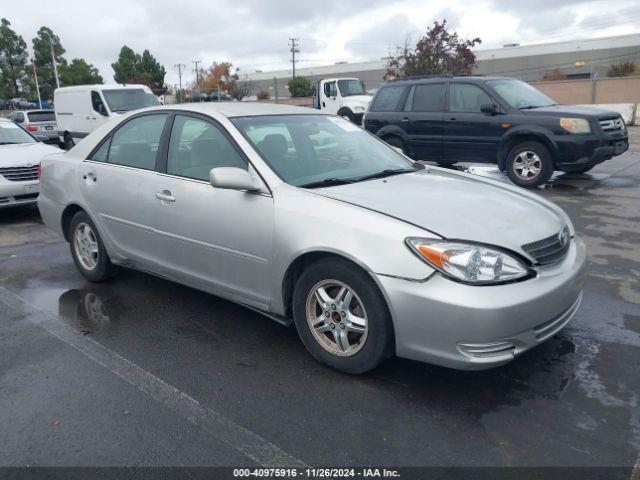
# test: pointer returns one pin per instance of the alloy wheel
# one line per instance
(86, 246)
(527, 165)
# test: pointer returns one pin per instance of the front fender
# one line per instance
(528, 132)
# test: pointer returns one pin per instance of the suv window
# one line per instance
(42, 116)
(196, 146)
(388, 98)
(135, 144)
(465, 97)
(428, 97)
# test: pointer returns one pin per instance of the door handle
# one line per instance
(165, 196)
(405, 120)
(453, 119)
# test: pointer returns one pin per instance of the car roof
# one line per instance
(448, 78)
(238, 109)
(113, 86)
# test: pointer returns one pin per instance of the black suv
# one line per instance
(496, 120)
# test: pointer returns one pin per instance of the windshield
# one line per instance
(520, 94)
(123, 100)
(307, 149)
(12, 133)
(351, 87)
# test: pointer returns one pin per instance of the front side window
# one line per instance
(126, 99)
(388, 98)
(197, 146)
(428, 98)
(12, 133)
(306, 149)
(135, 144)
(519, 94)
(464, 97)
(330, 89)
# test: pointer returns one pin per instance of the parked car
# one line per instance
(310, 220)
(20, 155)
(5, 104)
(346, 97)
(40, 123)
(83, 108)
(496, 120)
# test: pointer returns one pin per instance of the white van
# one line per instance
(83, 108)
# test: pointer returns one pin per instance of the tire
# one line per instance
(352, 337)
(397, 142)
(348, 114)
(529, 164)
(68, 142)
(87, 249)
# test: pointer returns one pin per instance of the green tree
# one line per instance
(300, 87)
(439, 52)
(79, 72)
(14, 80)
(43, 44)
(132, 67)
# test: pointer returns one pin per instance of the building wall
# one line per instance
(606, 90)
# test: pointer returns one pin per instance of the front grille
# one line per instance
(612, 124)
(20, 174)
(550, 249)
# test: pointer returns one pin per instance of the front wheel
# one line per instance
(529, 164)
(341, 316)
(87, 249)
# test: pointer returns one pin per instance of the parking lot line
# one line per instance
(260, 450)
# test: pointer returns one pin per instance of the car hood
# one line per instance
(361, 100)
(561, 110)
(23, 154)
(455, 206)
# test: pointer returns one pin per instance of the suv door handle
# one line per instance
(405, 119)
(165, 196)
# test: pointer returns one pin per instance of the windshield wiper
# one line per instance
(327, 182)
(384, 173)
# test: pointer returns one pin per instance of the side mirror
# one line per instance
(489, 108)
(232, 178)
(102, 110)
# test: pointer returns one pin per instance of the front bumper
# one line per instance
(575, 152)
(14, 194)
(477, 327)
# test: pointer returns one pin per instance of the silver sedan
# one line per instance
(310, 220)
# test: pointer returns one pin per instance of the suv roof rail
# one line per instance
(446, 75)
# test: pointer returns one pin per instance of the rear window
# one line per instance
(388, 98)
(43, 116)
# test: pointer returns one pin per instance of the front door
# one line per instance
(421, 119)
(330, 101)
(469, 134)
(113, 182)
(212, 238)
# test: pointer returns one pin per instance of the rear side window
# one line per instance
(428, 98)
(465, 97)
(388, 98)
(135, 144)
(42, 116)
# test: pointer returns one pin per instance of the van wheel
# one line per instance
(68, 142)
(529, 164)
(341, 316)
(87, 249)
(348, 114)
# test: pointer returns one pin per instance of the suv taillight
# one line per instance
(32, 128)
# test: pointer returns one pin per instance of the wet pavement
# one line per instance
(142, 371)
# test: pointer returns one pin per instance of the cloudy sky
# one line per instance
(253, 34)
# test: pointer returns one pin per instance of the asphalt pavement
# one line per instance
(145, 372)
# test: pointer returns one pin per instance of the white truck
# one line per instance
(342, 96)
(83, 108)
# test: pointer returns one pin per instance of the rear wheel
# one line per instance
(341, 316)
(397, 142)
(87, 249)
(529, 164)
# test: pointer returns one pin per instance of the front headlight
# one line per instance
(575, 125)
(358, 109)
(468, 262)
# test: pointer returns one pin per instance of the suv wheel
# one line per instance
(87, 249)
(529, 164)
(341, 316)
(347, 114)
(397, 142)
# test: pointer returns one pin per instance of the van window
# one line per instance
(428, 97)
(465, 97)
(135, 144)
(126, 99)
(388, 98)
(197, 146)
(97, 104)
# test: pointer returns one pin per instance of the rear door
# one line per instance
(116, 181)
(422, 120)
(470, 135)
(385, 111)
